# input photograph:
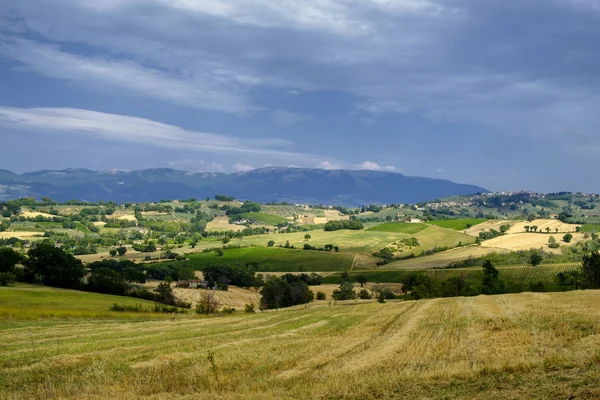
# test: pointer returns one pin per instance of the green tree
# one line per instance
(590, 269)
(535, 259)
(364, 294)
(345, 291)
(106, 280)
(8, 259)
(271, 243)
(307, 236)
(567, 238)
(362, 279)
(164, 293)
(55, 266)
(490, 281)
(121, 250)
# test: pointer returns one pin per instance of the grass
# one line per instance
(33, 301)
(264, 218)
(275, 259)
(523, 275)
(399, 227)
(525, 346)
(457, 224)
(590, 228)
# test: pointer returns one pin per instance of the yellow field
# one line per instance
(444, 258)
(542, 224)
(524, 346)
(486, 226)
(222, 224)
(526, 241)
(127, 217)
(19, 234)
(33, 214)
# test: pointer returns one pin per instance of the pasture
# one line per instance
(457, 224)
(398, 227)
(522, 346)
(275, 259)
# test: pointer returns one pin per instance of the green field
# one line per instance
(590, 228)
(456, 224)
(523, 346)
(275, 259)
(33, 301)
(399, 227)
(264, 218)
(523, 275)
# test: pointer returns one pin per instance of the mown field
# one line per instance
(275, 259)
(523, 346)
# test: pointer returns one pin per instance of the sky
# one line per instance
(504, 94)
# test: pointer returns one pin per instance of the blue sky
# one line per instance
(500, 93)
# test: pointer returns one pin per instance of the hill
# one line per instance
(270, 184)
(522, 346)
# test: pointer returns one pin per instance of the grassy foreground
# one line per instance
(520, 346)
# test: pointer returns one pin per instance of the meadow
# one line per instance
(275, 259)
(521, 346)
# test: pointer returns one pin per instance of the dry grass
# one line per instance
(542, 224)
(526, 241)
(486, 226)
(222, 224)
(490, 347)
(19, 234)
(33, 214)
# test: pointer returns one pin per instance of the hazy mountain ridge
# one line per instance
(298, 185)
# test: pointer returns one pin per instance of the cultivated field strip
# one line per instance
(462, 347)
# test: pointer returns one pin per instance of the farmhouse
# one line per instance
(193, 284)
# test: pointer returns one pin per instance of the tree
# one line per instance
(535, 259)
(552, 243)
(490, 282)
(208, 303)
(121, 250)
(8, 259)
(362, 279)
(364, 294)
(277, 293)
(106, 280)
(271, 243)
(590, 269)
(307, 236)
(344, 292)
(164, 293)
(55, 266)
(567, 238)
(112, 252)
(321, 296)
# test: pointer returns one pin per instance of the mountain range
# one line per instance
(269, 184)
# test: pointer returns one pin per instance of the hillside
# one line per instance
(523, 346)
(270, 184)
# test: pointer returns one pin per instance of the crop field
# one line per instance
(526, 241)
(222, 224)
(34, 301)
(444, 258)
(264, 218)
(522, 346)
(398, 227)
(590, 228)
(488, 225)
(542, 224)
(274, 259)
(457, 224)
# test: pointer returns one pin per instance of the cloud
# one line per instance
(373, 166)
(196, 166)
(328, 165)
(127, 129)
(238, 167)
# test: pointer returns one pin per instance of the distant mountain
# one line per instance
(294, 185)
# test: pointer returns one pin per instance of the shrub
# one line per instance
(208, 303)
(249, 308)
(271, 243)
(344, 292)
(364, 294)
(321, 296)
(7, 278)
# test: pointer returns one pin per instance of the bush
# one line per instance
(271, 243)
(338, 225)
(321, 296)
(249, 308)
(344, 292)
(208, 303)
(364, 294)
(7, 278)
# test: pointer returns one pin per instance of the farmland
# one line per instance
(398, 227)
(457, 224)
(518, 346)
(276, 259)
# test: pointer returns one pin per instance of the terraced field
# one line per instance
(521, 346)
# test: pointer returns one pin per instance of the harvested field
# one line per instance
(542, 224)
(444, 258)
(222, 224)
(488, 225)
(19, 234)
(523, 346)
(526, 241)
(33, 214)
